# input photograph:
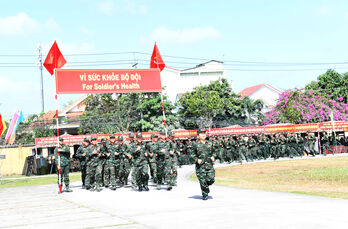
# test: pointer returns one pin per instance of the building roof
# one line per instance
(251, 90)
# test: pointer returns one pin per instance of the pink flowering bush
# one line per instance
(296, 106)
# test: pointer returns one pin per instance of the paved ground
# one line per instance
(41, 207)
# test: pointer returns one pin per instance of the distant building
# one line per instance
(265, 92)
(176, 82)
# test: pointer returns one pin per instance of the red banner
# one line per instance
(182, 134)
(85, 81)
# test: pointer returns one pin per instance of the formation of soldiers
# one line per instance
(113, 162)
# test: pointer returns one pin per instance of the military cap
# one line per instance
(86, 140)
(103, 140)
(162, 132)
(139, 135)
(93, 138)
(120, 138)
(131, 135)
(201, 131)
(61, 139)
(155, 136)
(112, 136)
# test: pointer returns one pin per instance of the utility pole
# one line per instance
(39, 49)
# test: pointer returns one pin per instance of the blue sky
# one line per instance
(249, 31)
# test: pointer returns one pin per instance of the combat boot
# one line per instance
(169, 188)
(67, 189)
(146, 188)
(205, 198)
(113, 188)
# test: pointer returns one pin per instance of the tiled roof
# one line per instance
(251, 90)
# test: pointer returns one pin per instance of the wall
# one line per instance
(15, 160)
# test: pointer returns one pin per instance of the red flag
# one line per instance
(54, 59)
(156, 59)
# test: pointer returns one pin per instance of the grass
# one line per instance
(326, 177)
(36, 181)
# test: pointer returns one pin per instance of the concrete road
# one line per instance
(41, 207)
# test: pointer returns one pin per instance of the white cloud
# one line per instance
(24, 24)
(183, 36)
(111, 7)
(106, 7)
(323, 10)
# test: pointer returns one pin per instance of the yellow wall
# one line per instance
(15, 160)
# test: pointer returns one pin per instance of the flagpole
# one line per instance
(57, 125)
(163, 111)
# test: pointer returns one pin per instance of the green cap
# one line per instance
(120, 138)
(86, 140)
(61, 139)
(103, 140)
(131, 135)
(139, 135)
(112, 136)
(201, 131)
(93, 138)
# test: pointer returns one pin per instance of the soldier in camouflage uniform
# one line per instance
(326, 144)
(242, 148)
(114, 160)
(152, 149)
(310, 139)
(300, 144)
(204, 159)
(103, 163)
(252, 148)
(140, 164)
(126, 161)
(81, 155)
(273, 147)
(94, 176)
(162, 157)
(174, 155)
(282, 141)
(64, 164)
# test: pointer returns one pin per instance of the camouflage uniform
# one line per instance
(152, 149)
(81, 155)
(140, 165)
(162, 157)
(242, 150)
(114, 161)
(311, 142)
(172, 167)
(64, 163)
(103, 163)
(252, 148)
(202, 150)
(326, 144)
(94, 176)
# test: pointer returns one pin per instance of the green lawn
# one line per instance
(37, 180)
(319, 176)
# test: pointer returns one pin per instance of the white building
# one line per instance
(178, 81)
(265, 92)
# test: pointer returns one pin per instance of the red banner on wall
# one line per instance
(85, 81)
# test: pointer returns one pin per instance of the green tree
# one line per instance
(332, 85)
(216, 105)
(138, 112)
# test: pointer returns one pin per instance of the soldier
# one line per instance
(114, 160)
(162, 157)
(326, 144)
(63, 164)
(140, 164)
(126, 160)
(300, 144)
(243, 150)
(252, 148)
(81, 155)
(189, 149)
(173, 164)
(152, 149)
(273, 147)
(282, 141)
(310, 139)
(130, 148)
(93, 177)
(204, 159)
(103, 163)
